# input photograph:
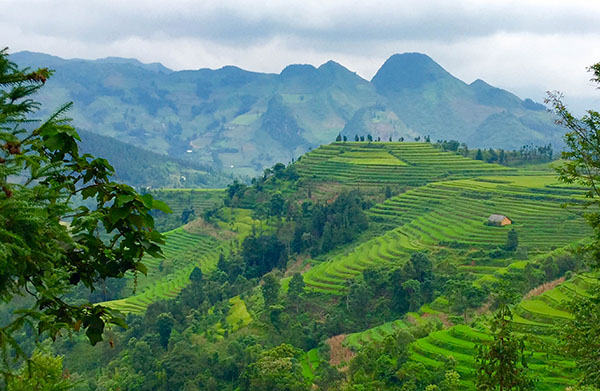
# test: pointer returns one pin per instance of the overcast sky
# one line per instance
(525, 46)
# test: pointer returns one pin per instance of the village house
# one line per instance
(499, 220)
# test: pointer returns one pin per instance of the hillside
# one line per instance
(146, 169)
(242, 121)
(357, 253)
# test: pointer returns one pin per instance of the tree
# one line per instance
(501, 362)
(464, 296)
(164, 325)
(44, 373)
(345, 138)
(512, 240)
(413, 291)
(479, 155)
(42, 255)
(296, 287)
(581, 338)
(388, 192)
(356, 137)
(339, 137)
(276, 369)
(270, 290)
(581, 166)
(196, 275)
(276, 205)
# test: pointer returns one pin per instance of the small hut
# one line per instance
(499, 220)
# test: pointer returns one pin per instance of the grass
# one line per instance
(309, 362)
(238, 313)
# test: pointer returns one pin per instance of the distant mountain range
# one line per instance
(242, 121)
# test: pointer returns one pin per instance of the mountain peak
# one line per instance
(298, 70)
(408, 71)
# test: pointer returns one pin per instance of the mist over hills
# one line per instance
(242, 121)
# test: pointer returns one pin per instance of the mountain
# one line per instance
(242, 121)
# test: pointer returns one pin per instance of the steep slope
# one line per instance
(243, 121)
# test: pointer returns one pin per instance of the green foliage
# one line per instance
(581, 163)
(276, 369)
(41, 170)
(270, 290)
(43, 372)
(502, 364)
(164, 325)
(262, 254)
(581, 338)
(320, 228)
(479, 155)
(512, 240)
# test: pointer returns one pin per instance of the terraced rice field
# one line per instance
(377, 164)
(536, 319)
(167, 276)
(199, 199)
(356, 340)
(455, 212)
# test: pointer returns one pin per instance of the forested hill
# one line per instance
(242, 121)
(146, 169)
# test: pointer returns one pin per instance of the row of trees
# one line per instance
(370, 138)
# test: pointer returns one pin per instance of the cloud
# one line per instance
(524, 46)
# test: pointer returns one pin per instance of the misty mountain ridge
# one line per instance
(243, 121)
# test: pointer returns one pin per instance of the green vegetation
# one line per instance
(404, 164)
(42, 257)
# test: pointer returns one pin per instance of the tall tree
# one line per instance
(270, 290)
(512, 240)
(46, 245)
(501, 363)
(581, 164)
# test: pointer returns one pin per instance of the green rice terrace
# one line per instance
(184, 250)
(167, 276)
(453, 214)
(443, 207)
(395, 163)
(537, 318)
